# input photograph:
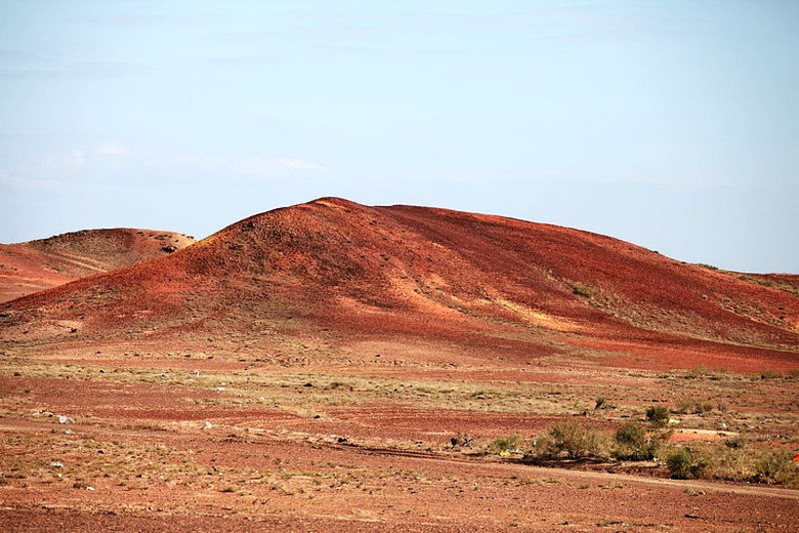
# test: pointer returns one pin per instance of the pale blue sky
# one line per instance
(674, 125)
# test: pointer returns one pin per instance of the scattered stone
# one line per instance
(207, 425)
(57, 464)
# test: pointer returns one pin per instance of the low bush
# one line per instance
(776, 466)
(600, 403)
(658, 415)
(682, 464)
(571, 440)
(720, 461)
(634, 443)
(686, 406)
(505, 444)
(463, 440)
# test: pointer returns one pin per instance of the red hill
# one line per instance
(338, 275)
(35, 265)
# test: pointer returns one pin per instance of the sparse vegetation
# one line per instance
(776, 466)
(732, 463)
(571, 440)
(658, 416)
(770, 374)
(600, 403)
(687, 406)
(681, 463)
(505, 445)
(635, 443)
(463, 440)
(582, 290)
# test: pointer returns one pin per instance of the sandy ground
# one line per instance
(334, 449)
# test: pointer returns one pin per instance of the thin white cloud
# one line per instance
(16, 182)
(296, 164)
(72, 160)
(255, 165)
(56, 70)
(113, 149)
(262, 166)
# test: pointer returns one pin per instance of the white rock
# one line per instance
(57, 464)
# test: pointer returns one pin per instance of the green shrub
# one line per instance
(683, 465)
(658, 415)
(733, 463)
(505, 444)
(572, 440)
(633, 443)
(776, 467)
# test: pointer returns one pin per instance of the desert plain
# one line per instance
(331, 366)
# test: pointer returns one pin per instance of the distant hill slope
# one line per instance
(35, 265)
(334, 268)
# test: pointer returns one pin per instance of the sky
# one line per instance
(673, 125)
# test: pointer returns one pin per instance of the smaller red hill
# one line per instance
(32, 266)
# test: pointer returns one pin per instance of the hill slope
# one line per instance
(332, 271)
(35, 265)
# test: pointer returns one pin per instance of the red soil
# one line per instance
(32, 266)
(335, 273)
